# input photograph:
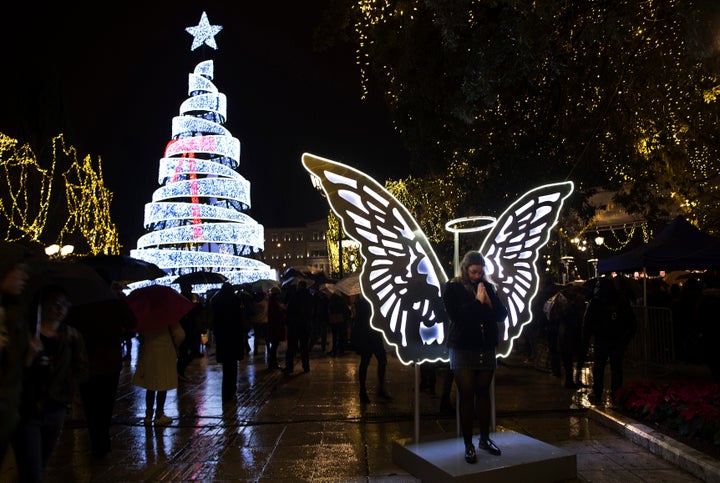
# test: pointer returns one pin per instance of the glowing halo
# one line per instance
(489, 222)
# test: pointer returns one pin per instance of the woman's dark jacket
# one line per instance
(474, 326)
(53, 385)
(363, 337)
(228, 327)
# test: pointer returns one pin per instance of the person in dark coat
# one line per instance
(320, 320)
(475, 313)
(567, 314)
(338, 316)
(14, 336)
(299, 327)
(189, 348)
(103, 326)
(276, 326)
(56, 362)
(230, 336)
(610, 323)
(368, 342)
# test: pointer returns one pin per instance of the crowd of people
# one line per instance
(52, 350)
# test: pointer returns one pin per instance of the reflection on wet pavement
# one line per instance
(312, 427)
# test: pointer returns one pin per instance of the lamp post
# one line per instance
(566, 261)
(57, 251)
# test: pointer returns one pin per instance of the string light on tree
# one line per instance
(76, 197)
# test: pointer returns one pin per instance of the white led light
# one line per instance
(195, 218)
(172, 167)
(204, 33)
(238, 190)
(205, 102)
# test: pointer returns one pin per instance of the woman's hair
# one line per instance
(471, 258)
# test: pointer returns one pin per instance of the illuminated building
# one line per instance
(300, 246)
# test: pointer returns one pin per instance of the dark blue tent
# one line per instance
(680, 246)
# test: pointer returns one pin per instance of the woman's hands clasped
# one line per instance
(482, 296)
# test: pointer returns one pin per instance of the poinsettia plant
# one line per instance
(692, 408)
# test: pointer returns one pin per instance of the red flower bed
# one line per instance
(690, 408)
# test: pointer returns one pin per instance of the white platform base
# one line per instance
(523, 459)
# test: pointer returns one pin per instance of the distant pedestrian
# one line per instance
(156, 370)
(320, 320)
(231, 330)
(191, 324)
(566, 314)
(276, 326)
(610, 324)
(259, 320)
(368, 342)
(299, 326)
(338, 317)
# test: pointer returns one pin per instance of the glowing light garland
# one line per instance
(195, 218)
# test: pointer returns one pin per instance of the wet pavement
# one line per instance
(312, 427)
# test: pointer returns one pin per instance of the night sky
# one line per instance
(112, 78)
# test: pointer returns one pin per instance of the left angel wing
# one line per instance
(401, 277)
(511, 250)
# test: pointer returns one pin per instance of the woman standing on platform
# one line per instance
(475, 313)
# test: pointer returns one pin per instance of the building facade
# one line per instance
(302, 247)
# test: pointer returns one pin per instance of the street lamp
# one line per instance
(566, 261)
(57, 251)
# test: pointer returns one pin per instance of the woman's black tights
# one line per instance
(474, 389)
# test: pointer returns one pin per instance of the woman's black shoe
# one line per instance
(470, 455)
(489, 446)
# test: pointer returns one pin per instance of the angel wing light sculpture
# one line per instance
(402, 277)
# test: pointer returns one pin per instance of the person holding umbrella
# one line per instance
(55, 363)
(158, 310)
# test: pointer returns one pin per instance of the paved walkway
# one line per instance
(312, 427)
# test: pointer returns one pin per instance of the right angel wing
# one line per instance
(401, 277)
(511, 250)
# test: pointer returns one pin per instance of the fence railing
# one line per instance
(654, 341)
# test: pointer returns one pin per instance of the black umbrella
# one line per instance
(83, 284)
(291, 272)
(123, 268)
(196, 278)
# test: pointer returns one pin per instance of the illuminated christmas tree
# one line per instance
(196, 220)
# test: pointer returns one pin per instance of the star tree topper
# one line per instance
(204, 33)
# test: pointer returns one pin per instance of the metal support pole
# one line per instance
(456, 253)
(417, 403)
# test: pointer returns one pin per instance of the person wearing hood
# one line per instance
(14, 336)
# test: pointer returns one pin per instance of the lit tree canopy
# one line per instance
(63, 200)
(619, 95)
